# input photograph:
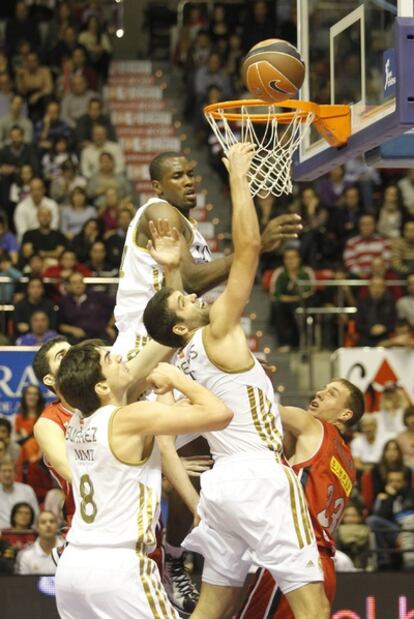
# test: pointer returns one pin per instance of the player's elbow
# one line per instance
(222, 417)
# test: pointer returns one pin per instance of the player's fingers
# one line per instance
(225, 162)
(150, 246)
(153, 229)
(175, 234)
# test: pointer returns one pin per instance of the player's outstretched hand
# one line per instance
(165, 377)
(164, 246)
(196, 465)
(239, 158)
(280, 229)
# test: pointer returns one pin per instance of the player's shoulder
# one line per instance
(55, 411)
(163, 210)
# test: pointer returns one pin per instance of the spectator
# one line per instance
(331, 187)
(3, 450)
(390, 414)
(8, 242)
(76, 214)
(405, 305)
(352, 536)
(233, 60)
(20, 532)
(361, 249)
(14, 155)
(84, 314)
(376, 315)
(12, 448)
(403, 250)
(16, 118)
(19, 27)
(78, 65)
(98, 46)
(6, 93)
(62, 18)
(391, 460)
(367, 446)
(379, 269)
(8, 270)
(317, 247)
(34, 81)
(212, 73)
(389, 510)
(31, 405)
(109, 214)
(406, 186)
(99, 267)
(51, 128)
(85, 123)
(35, 266)
(63, 270)
(403, 336)
(219, 28)
(92, 231)
(259, 25)
(12, 492)
(7, 558)
(287, 296)
(116, 241)
(406, 438)
(43, 240)
(100, 144)
(37, 558)
(106, 180)
(20, 189)
(75, 102)
(39, 332)
(26, 213)
(391, 216)
(67, 43)
(63, 184)
(34, 300)
(53, 160)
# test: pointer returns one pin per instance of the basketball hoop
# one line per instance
(234, 121)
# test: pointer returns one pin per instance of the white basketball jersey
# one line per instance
(116, 504)
(256, 425)
(140, 277)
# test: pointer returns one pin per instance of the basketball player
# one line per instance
(323, 462)
(116, 480)
(174, 184)
(251, 506)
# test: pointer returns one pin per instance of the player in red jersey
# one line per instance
(323, 462)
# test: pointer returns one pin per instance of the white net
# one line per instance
(270, 172)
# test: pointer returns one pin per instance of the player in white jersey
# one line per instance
(116, 479)
(251, 506)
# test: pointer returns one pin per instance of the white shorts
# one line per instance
(109, 583)
(253, 511)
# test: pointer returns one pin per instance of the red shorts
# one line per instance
(266, 601)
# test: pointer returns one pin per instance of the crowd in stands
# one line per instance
(66, 204)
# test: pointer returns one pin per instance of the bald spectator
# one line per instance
(376, 315)
(39, 331)
(405, 305)
(361, 249)
(37, 557)
(94, 115)
(16, 118)
(84, 314)
(25, 215)
(12, 492)
(48, 243)
(403, 250)
(100, 144)
(75, 102)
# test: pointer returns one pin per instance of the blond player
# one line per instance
(252, 508)
(116, 477)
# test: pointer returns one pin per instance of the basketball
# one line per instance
(273, 70)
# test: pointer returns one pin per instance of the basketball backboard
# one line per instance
(359, 53)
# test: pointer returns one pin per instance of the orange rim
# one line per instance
(333, 122)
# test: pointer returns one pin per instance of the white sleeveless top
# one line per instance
(256, 427)
(140, 277)
(116, 504)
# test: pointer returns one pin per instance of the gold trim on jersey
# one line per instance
(305, 514)
(157, 279)
(140, 342)
(264, 422)
(110, 431)
(221, 367)
(156, 597)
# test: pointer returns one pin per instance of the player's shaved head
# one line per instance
(159, 162)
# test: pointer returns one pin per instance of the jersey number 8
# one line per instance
(88, 507)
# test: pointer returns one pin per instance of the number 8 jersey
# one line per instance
(117, 504)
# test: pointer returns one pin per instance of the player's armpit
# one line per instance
(51, 440)
(298, 421)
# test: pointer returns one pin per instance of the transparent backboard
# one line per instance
(347, 46)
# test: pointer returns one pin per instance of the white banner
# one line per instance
(371, 368)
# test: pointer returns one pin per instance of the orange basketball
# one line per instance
(273, 70)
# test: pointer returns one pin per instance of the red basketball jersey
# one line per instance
(60, 415)
(327, 479)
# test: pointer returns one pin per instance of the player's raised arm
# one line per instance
(298, 421)
(51, 440)
(142, 364)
